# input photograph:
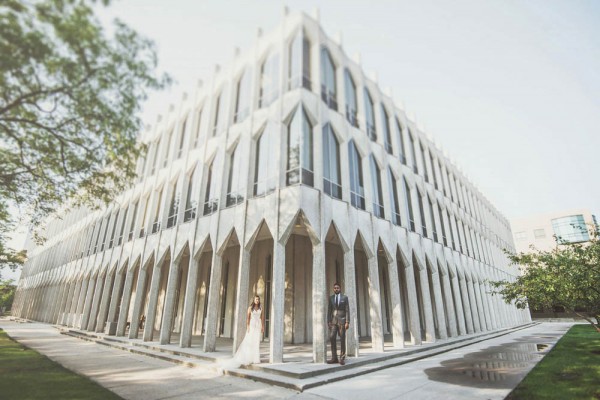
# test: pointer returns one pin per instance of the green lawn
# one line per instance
(26, 374)
(570, 371)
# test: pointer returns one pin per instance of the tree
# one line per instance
(69, 99)
(568, 276)
(7, 295)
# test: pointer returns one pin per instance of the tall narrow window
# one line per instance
(269, 80)
(173, 207)
(156, 156)
(169, 148)
(181, 139)
(351, 103)
(444, 236)
(198, 126)
(409, 209)
(387, 136)
(432, 217)
(218, 121)
(242, 101)
(422, 215)
(378, 209)
(114, 229)
(370, 117)
(265, 175)
(190, 198)
(413, 151)
(300, 149)
(156, 223)
(434, 171)
(235, 186)
(132, 224)
(332, 183)
(143, 224)
(211, 199)
(123, 215)
(393, 188)
(425, 174)
(357, 190)
(328, 83)
(401, 149)
(299, 72)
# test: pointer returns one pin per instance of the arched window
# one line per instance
(432, 217)
(422, 214)
(300, 150)
(181, 139)
(357, 189)
(157, 210)
(370, 117)
(328, 83)
(299, 71)
(413, 151)
(332, 183)
(211, 199)
(156, 156)
(378, 209)
(401, 149)
(173, 207)
(269, 80)
(220, 112)
(242, 101)
(393, 188)
(351, 103)
(235, 186)
(132, 223)
(265, 175)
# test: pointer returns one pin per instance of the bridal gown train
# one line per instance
(249, 350)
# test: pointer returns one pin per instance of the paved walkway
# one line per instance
(486, 370)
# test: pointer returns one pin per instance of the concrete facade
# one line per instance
(288, 171)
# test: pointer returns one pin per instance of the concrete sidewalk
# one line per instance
(486, 370)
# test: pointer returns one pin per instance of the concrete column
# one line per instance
(91, 325)
(397, 322)
(466, 305)
(486, 307)
(241, 312)
(104, 302)
(125, 303)
(350, 291)
(277, 304)
(60, 291)
(74, 302)
(115, 301)
(189, 304)
(492, 310)
(140, 294)
(453, 323)
(439, 306)
(212, 310)
(319, 305)
(86, 293)
(413, 306)
(152, 303)
(67, 304)
(167, 319)
(473, 302)
(375, 305)
(460, 313)
(427, 306)
(480, 308)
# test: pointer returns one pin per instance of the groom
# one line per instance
(338, 315)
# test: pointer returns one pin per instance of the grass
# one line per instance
(26, 374)
(570, 371)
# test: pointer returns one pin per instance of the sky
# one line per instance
(510, 89)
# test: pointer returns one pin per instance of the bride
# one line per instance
(249, 350)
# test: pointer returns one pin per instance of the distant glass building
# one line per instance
(289, 171)
(544, 232)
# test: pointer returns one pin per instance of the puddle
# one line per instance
(541, 346)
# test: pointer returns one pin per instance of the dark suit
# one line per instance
(337, 317)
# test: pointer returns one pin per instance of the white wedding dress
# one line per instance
(249, 350)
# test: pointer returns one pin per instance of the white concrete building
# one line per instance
(288, 171)
(542, 231)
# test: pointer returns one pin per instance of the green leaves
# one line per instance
(69, 99)
(568, 276)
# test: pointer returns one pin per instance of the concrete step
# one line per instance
(292, 375)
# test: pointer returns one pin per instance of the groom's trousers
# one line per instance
(334, 331)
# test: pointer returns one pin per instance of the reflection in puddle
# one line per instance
(500, 366)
